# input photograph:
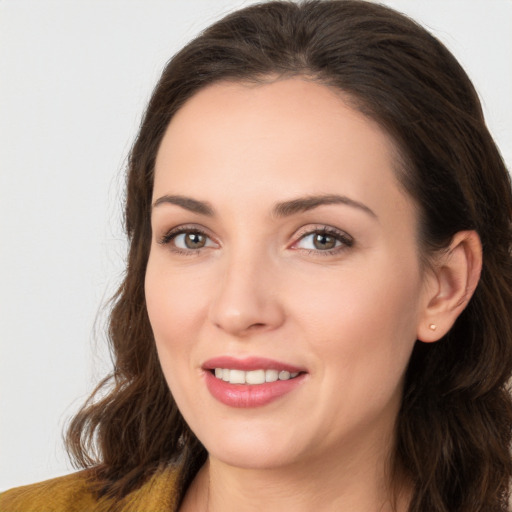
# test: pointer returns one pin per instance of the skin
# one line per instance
(260, 287)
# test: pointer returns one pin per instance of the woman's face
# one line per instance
(283, 248)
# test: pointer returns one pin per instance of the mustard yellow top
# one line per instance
(72, 493)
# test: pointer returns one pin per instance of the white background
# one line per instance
(74, 78)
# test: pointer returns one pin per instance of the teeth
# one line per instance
(271, 375)
(236, 376)
(253, 376)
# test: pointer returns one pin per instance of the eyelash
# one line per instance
(346, 240)
(175, 232)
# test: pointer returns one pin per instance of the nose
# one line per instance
(246, 298)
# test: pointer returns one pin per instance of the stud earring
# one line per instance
(432, 327)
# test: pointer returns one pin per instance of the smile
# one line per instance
(253, 377)
(251, 382)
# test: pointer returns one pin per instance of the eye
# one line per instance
(187, 240)
(192, 240)
(325, 239)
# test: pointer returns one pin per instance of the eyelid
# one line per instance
(174, 232)
(346, 240)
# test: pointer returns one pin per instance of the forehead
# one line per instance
(283, 138)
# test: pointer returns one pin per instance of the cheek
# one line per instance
(363, 322)
(362, 332)
(173, 305)
(379, 295)
(174, 301)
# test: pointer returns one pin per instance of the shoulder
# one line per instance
(66, 493)
(73, 493)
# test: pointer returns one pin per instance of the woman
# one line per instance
(315, 314)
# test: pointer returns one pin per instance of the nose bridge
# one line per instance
(246, 297)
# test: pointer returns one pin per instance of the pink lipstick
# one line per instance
(251, 382)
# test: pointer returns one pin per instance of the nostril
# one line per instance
(256, 326)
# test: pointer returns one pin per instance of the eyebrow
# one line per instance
(283, 209)
(303, 204)
(192, 205)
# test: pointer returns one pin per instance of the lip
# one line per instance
(247, 395)
(249, 363)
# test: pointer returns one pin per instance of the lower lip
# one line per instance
(247, 395)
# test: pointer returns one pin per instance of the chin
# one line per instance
(251, 449)
(251, 459)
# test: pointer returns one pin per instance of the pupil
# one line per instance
(194, 240)
(324, 241)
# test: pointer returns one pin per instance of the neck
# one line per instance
(356, 479)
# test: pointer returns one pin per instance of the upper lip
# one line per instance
(249, 363)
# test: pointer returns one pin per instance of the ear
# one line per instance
(450, 285)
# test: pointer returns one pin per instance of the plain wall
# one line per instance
(74, 80)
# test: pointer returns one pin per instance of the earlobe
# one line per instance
(453, 280)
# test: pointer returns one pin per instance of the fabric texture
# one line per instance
(72, 493)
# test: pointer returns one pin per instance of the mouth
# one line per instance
(252, 377)
(250, 382)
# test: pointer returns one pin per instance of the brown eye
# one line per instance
(194, 240)
(321, 241)
(325, 240)
(187, 240)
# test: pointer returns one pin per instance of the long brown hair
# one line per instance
(454, 427)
